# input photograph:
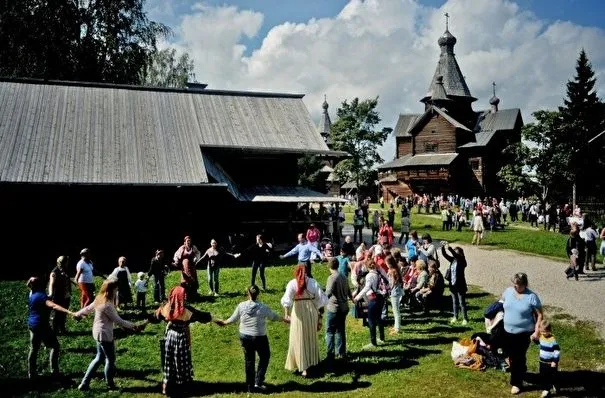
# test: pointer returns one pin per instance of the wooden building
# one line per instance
(124, 170)
(450, 148)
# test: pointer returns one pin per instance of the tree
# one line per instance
(354, 132)
(94, 40)
(165, 69)
(513, 175)
(583, 117)
(309, 172)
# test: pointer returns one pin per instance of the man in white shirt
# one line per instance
(590, 236)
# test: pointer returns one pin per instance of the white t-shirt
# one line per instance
(85, 269)
(140, 285)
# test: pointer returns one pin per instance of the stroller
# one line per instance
(326, 247)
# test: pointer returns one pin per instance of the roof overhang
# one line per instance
(282, 194)
(273, 151)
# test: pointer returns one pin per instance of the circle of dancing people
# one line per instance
(364, 279)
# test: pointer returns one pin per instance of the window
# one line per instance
(475, 164)
(431, 147)
(433, 132)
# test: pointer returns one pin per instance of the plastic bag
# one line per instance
(458, 350)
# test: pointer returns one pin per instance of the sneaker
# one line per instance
(464, 322)
(380, 341)
(210, 293)
(515, 390)
(83, 387)
(369, 347)
(215, 294)
(260, 387)
(545, 394)
(453, 320)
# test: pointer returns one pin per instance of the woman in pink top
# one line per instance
(102, 331)
(313, 235)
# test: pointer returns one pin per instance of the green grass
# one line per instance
(516, 236)
(416, 364)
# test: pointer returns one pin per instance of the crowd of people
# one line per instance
(369, 278)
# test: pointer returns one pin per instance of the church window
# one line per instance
(431, 147)
(475, 164)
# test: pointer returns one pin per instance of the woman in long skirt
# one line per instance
(177, 366)
(303, 304)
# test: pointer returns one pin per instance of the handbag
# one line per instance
(360, 310)
(162, 352)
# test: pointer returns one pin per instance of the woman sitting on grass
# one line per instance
(422, 281)
(39, 307)
(176, 364)
(252, 316)
(431, 294)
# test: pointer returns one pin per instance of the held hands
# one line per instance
(286, 319)
(220, 322)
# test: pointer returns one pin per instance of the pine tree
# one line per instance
(583, 118)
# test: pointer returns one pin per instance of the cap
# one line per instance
(84, 251)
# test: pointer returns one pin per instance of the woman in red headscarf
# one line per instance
(303, 304)
(176, 348)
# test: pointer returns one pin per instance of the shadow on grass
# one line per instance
(577, 383)
(200, 388)
(21, 386)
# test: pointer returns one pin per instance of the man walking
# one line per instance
(304, 250)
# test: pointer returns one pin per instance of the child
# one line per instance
(573, 263)
(549, 358)
(140, 286)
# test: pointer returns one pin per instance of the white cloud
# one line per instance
(388, 48)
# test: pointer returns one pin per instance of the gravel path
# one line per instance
(492, 271)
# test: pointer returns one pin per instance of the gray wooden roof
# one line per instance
(272, 193)
(432, 159)
(447, 66)
(405, 123)
(450, 119)
(65, 132)
(503, 119)
(325, 124)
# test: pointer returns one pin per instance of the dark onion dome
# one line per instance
(447, 39)
(494, 100)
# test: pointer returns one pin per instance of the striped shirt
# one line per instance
(549, 349)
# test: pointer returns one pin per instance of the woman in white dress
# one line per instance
(303, 304)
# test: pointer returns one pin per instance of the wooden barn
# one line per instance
(450, 148)
(124, 170)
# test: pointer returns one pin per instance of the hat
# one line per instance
(141, 275)
(84, 251)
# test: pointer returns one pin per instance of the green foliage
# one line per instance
(354, 132)
(309, 174)
(583, 117)
(166, 69)
(97, 40)
(512, 175)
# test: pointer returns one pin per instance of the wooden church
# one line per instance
(450, 148)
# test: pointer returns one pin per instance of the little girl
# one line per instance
(573, 263)
(140, 287)
(122, 274)
(396, 288)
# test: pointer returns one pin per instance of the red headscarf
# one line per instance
(300, 273)
(176, 304)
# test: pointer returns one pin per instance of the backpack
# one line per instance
(492, 310)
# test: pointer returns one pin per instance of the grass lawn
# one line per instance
(516, 236)
(415, 364)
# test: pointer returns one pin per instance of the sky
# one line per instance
(387, 48)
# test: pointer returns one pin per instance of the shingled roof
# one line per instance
(447, 67)
(66, 132)
(405, 123)
(424, 159)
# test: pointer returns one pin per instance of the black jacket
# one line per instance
(460, 285)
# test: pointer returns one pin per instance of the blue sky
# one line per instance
(388, 48)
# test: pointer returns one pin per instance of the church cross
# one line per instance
(494, 88)
(447, 17)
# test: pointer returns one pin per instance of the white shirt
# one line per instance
(319, 297)
(140, 285)
(85, 269)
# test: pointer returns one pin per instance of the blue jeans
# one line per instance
(251, 345)
(459, 300)
(159, 291)
(374, 318)
(105, 352)
(213, 277)
(335, 331)
(396, 294)
(37, 336)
